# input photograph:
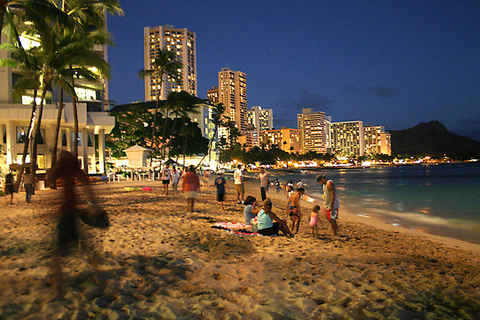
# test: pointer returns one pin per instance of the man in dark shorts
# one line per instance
(9, 187)
(294, 210)
(220, 184)
(166, 173)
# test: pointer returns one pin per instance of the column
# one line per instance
(11, 140)
(101, 151)
(84, 149)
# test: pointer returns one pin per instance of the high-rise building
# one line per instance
(286, 139)
(212, 95)
(377, 140)
(347, 138)
(313, 131)
(183, 43)
(232, 92)
(93, 120)
(261, 119)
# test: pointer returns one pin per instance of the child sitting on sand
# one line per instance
(251, 210)
(314, 220)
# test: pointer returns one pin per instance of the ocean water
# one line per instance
(438, 199)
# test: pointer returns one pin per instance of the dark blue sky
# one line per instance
(393, 63)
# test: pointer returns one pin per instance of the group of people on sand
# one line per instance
(268, 222)
(170, 176)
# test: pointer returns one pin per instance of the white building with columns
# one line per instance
(93, 120)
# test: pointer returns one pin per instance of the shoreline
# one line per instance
(160, 261)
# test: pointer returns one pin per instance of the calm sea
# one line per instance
(438, 199)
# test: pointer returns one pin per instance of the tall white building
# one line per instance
(232, 92)
(313, 131)
(183, 43)
(348, 138)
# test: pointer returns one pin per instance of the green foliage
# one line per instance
(187, 134)
(134, 126)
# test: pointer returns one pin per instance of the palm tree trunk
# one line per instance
(164, 132)
(184, 143)
(209, 147)
(36, 133)
(3, 6)
(26, 142)
(57, 133)
(75, 119)
(153, 128)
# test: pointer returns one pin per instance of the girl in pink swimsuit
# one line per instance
(314, 220)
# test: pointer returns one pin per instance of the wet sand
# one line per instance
(162, 262)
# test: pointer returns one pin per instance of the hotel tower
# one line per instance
(313, 131)
(183, 43)
(232, 92)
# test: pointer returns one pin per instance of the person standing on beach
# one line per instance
(294, 210)
(191, 187)
(174, 178)
(166, 173)
(263, 177)
(277, 185)
(238, 182)
(220, 185)
(28, 184)
(331, 202)
(67, 231)
(9, 187)
(314, 220)
(299, 184)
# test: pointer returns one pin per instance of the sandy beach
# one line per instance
(162, 262)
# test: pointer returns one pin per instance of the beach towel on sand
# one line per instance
(236, 228)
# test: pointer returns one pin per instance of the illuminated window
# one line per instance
(86, 94)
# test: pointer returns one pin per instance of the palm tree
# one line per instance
(52, 26)
(233, 132)
(164, 67)
(78, 61)
(181, 104)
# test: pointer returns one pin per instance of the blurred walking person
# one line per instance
(67, 232)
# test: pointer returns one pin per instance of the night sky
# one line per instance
(393, 63)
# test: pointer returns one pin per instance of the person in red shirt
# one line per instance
(191, 187)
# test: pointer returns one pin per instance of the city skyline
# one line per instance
(386, 63)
